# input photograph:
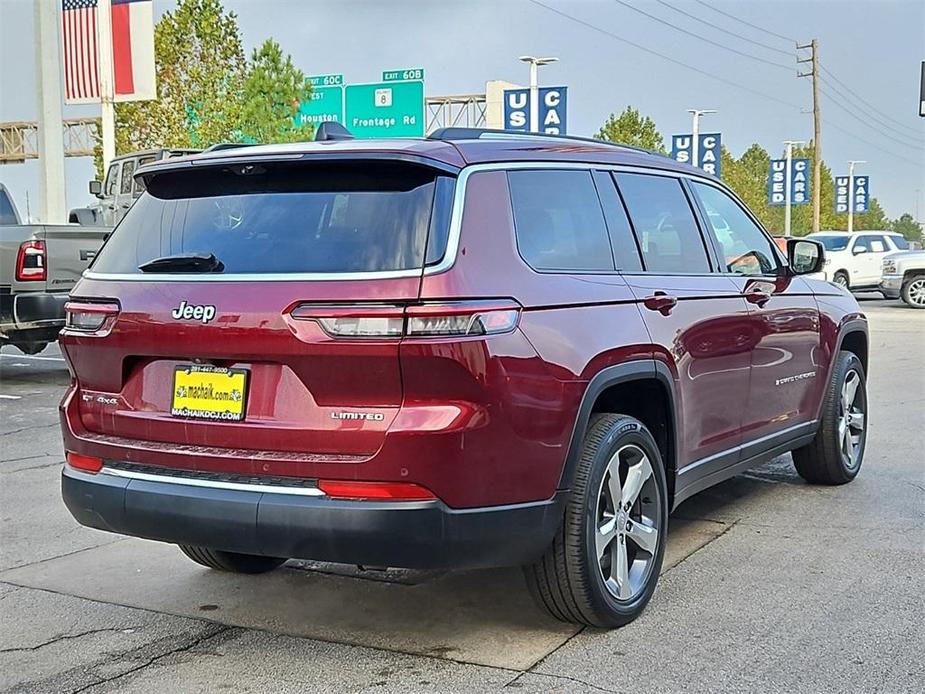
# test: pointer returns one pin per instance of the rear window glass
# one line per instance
(291, 217)
(559, 221)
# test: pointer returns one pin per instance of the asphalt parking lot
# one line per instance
(769, 585)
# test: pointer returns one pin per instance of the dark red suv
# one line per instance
(472, 350)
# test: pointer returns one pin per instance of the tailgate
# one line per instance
(69, 250)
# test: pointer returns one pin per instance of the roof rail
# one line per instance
(450, 134)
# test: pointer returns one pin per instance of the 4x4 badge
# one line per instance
(203, 313)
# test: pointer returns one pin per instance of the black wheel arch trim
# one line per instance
(852, 325)
(626, 372)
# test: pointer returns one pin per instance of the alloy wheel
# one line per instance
(852, 419)
(627, 529)
(916, 292)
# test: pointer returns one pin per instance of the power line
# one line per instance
(862, 100)
(705, 39)
(875, 119)
(749, 24)
(646, 49)
(879, 148)
(863, 122)
(789, 54)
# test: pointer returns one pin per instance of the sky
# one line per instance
(873, 48)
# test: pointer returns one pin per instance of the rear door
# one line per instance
(786, 379)
(301, 309)
(696, 317)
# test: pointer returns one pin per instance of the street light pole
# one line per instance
(695, 132)
(788, 183)
(534, 88)
(851, 192)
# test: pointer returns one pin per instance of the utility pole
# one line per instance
(535, 89)
(813, 47)
(695, 132)
(851, 192)
(788, 184)
(107, 88)
(51, 134)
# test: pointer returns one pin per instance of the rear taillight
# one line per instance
(30, 262)
(460, 318)
(465, 318)
(382, 491)
(89, 317)
(86, 463)
(356, 321)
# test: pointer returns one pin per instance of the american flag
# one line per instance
(81, 76)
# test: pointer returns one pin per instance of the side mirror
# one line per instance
(857, 250)
(96, 188)
(805, 256)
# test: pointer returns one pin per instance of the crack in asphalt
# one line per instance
(576, 680)
(211, 632)
(702, 547)
(65, 637)
(30, 428)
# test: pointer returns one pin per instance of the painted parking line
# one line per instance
(29, 356)
(10, 397)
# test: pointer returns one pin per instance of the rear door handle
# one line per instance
(661, 302)
(756, 297)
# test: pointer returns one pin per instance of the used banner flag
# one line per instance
(132, 50)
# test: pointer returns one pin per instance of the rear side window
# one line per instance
(900, 243)
(128, 168)
(664, 223)
(139, 183)
(558, 221)
(292, 217)
(625, 250)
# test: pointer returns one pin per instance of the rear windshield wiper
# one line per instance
(188, 262)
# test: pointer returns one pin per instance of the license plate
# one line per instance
(209, 392)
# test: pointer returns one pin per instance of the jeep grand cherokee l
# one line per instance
(470, 350)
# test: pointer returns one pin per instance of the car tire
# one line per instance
(841, 279)
(584, 577)
(835, 455)
(231, 561)
(913, 291)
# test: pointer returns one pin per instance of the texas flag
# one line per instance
(132, 50)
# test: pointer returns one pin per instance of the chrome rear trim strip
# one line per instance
(212, 484)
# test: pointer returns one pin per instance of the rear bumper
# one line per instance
(33, 312)
(417, 535)
(891, 285)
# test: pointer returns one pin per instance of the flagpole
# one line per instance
(107, 90)
(51, 129)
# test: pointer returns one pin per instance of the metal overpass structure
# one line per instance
(19, 140)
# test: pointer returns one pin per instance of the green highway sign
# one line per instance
(326, 80)
(385, 109)
(326, 102)
(403, 75)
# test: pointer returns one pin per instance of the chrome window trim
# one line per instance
(452, 246)
(212, 484)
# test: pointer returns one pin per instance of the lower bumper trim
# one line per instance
(406, 534)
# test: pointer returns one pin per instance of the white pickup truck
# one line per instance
(853, 260)
(904, 276)
(39, 264)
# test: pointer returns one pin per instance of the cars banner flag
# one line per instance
(859, 198)
(799, 182)
(132, 50)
